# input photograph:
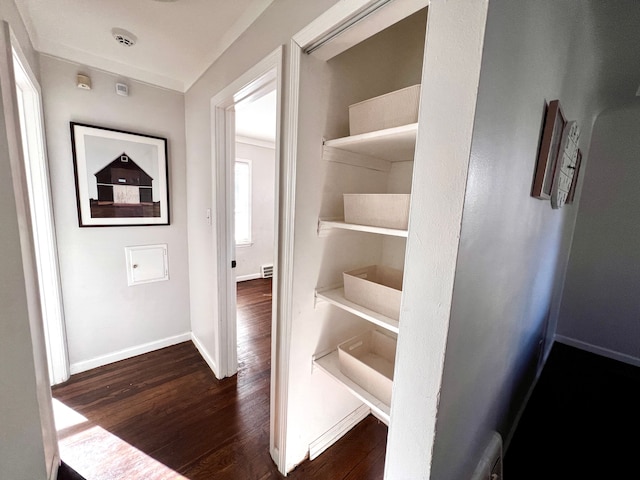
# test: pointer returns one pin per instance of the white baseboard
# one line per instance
(244, 278)
(128, 353)
(205, 354)
(605, 352)
(336, 432)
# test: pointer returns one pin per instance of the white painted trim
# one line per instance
(223, 153)
(251, 276)
(336, 432)
(605, 352)
(280, 391)
(128, 353)
(205, 354)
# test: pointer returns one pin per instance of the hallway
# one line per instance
(164, 415)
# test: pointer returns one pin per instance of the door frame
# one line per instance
(265, 75)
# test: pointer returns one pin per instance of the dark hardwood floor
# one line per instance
(582, 421)
(164, 415)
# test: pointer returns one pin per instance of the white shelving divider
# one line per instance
(335, 296)
(395, 144)
(327, 224)
(331, 365)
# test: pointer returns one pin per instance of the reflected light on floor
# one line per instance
(97, 454)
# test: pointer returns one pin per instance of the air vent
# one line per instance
(124, 37)
(267, 271)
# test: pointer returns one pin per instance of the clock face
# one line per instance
(566, 167)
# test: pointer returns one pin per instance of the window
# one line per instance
(243, 202)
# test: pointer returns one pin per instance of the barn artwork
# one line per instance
(121, 177)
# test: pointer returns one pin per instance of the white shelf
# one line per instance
(328, 224)
(392, 144)
(335, 296)
(331, 366)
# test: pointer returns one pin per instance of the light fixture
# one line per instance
(638, 92)
(124, 37)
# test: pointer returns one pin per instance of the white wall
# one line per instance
(251, 257)
(106, 319)
(28, 449)
(600, 306)
(513, 248)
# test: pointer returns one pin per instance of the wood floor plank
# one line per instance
(164, 415)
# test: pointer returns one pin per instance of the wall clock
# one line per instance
(566, 166)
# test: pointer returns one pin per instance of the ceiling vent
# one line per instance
(124, 37)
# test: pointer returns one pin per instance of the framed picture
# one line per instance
(554, 124)
(574, 181)
(121, 177)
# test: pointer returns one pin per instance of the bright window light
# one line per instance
(243, 202)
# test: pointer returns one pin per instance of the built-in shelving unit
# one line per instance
(377, 150)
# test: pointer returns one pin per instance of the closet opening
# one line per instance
(358, 112)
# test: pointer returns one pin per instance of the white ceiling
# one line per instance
(176, 40)
(257, 119)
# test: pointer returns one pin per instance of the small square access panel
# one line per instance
(146, 264)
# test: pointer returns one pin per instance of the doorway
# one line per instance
(254, 221)
(259, 85)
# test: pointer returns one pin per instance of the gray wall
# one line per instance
(600, 306)
(106, 319)
(513, 248)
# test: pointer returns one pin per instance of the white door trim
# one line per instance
(265, 74)
(42, 216)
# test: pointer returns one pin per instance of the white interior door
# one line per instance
(41, 209)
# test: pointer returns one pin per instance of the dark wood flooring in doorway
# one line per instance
(164, 415)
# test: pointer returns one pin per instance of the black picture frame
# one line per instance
(121, 177)
(554, 124)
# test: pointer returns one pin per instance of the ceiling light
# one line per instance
(123, 37)
(638, 92)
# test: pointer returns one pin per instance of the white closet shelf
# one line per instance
(335, 296)
(327, 224)
(395, 144)
(331, 365)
